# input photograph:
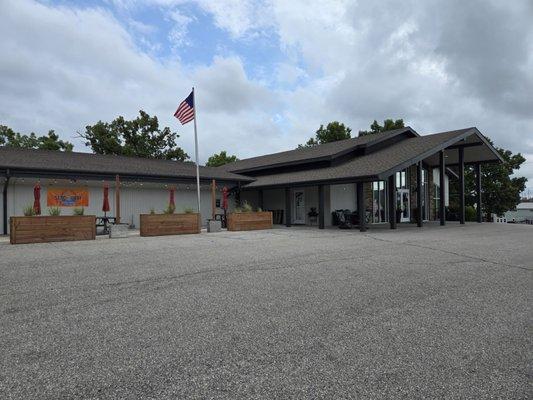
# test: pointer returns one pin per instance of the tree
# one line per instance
(140, 137)
(51, 141)
(331, 133)
(388, 125)
(216, 160)
(500, 192)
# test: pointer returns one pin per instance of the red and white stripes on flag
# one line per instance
(185, 111)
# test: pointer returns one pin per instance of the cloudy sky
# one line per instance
(268, 73)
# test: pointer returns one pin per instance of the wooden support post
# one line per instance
(478, 193)
(213, 199)
(4, 202)
(461, 151)
(288, 206)
(117, 199)
(321, 207)
(261, 199)
(419, 194)
(442, 191)
(391, 186)
(361, 207)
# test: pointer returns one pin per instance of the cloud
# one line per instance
(467, 64)
(71, 67)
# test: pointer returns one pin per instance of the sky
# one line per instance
(268, 73)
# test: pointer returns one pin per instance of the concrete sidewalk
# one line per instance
(285, 313)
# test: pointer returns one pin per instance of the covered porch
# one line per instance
(407, 184)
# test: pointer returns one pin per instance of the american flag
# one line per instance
(185, 111)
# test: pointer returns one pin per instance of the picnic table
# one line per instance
(104, 222)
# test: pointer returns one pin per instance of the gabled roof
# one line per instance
(377, 165)
(322, 152)
(88, 164)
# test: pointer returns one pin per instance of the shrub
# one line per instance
(152, 210)
(188, 210)
(78, 211)
(259, 209)
(29, 211)
(54, 211)
(470, 213)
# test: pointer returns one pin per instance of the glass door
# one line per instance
(403, 205)
(299, 207)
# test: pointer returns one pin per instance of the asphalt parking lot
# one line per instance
(284, 313)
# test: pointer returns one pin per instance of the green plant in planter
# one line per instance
(169, 210)
(247, 207)
(188, 210)
(54, 211)
(78, 211)
(259, 209)
(28, 211)
(152, 211)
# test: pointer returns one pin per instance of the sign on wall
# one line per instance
(67, 197)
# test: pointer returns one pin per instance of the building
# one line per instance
(144, 183)
(523, 212)
(376, 178)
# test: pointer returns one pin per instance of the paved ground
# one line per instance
(285, 313)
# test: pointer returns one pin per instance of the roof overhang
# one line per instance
(477, 150)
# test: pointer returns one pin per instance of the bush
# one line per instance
(470, 213)
(188, 210)
(78, 211)
(28, 211)
(54, 211)
(152, 210)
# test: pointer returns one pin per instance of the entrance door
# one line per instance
(403, 205)
(299, 207)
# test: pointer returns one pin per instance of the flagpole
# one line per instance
(196, 151)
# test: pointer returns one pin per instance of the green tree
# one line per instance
(331, 133)
(500, 191)
(140, 137)
(216, 160)
(51, 141)
(388, 125)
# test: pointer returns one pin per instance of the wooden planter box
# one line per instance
(52, 228)
(249, 221)
(169, 224)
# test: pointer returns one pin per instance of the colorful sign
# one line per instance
(71, 197)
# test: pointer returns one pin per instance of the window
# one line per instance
(379, 202)
(425, 195)
(401, 179)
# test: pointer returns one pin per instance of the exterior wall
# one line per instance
(2, 210)
(133, 200)
(274, 199)
(343, 197)
(251, 197)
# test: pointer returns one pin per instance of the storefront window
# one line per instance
(379, 202)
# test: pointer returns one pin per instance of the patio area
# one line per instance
(289, 312)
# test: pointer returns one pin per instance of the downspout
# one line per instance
(4, 201)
